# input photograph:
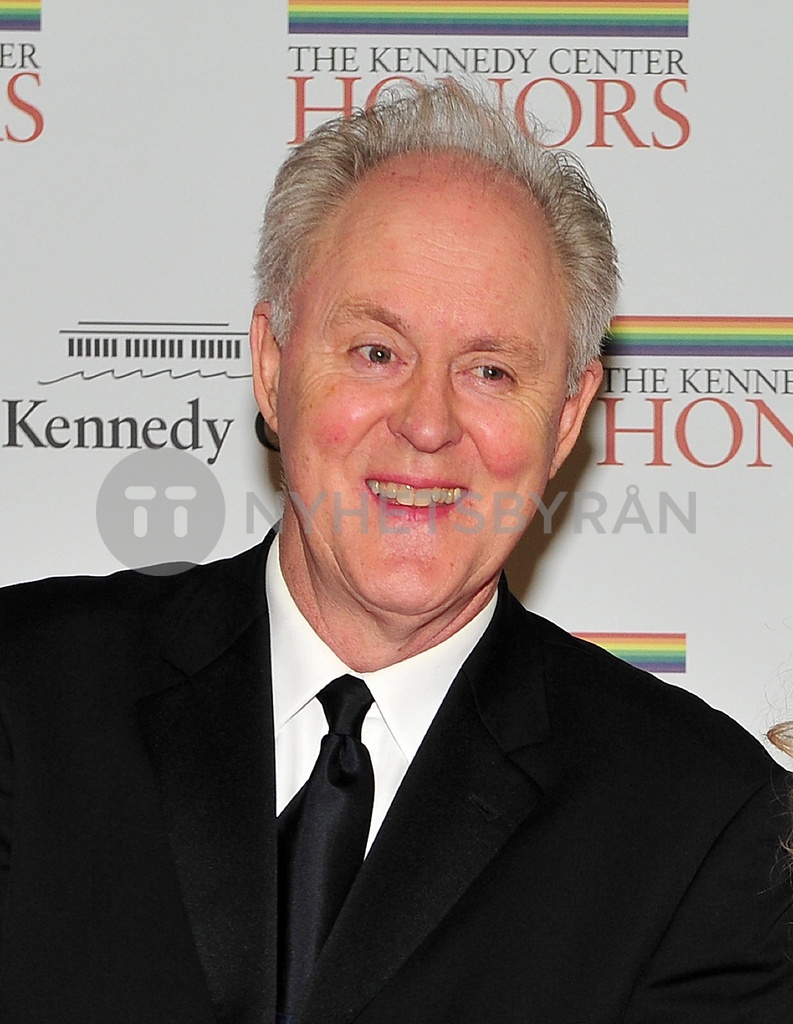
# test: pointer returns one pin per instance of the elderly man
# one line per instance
(346, 776)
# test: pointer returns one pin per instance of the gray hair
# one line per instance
(320, 174)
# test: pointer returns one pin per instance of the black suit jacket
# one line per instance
(575, 842)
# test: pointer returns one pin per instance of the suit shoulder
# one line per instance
(630, 716)
(62, 600)
(58, 606)
(68, 624)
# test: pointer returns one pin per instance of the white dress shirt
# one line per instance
(406, 696)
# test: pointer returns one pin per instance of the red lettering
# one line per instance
(601, 113)
(500, 83)
(764, 411)
(674, 115)
(576, 113)
(27, 108)
(302, 108)
(656, 430)
(681, 435)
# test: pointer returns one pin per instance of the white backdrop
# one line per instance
(137, 145)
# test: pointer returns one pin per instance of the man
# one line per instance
(550, 835)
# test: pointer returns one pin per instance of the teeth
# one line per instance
(405, 494)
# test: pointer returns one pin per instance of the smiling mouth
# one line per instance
(405, 494)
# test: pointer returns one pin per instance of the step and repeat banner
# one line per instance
(137, 147)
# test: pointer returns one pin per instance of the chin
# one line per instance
(404, 591)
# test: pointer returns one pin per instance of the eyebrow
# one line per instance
(369, 311)
(498, 343)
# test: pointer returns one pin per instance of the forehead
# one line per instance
(424, 188)
(445, 235)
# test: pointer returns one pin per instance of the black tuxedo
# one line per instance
(574, 843)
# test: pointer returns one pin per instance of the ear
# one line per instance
(266, 364)
(573, 412)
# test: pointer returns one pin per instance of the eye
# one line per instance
(493, 373)
(378, 354)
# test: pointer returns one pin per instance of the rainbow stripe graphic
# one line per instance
(492, 17)
(20, 15)
(653, 652)
(701, 336)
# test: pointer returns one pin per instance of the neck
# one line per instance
(363, 636)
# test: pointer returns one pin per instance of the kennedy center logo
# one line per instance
(491, 17)
(616, 75)
(744, 336)
(653, 652)
(21, 120)
(705, 390)
(20, 15)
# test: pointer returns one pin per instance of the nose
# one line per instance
(426, 414)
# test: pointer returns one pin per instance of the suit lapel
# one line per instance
(462, 799)
(210, 740)
(479, 773)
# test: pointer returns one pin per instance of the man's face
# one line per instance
(421, 395)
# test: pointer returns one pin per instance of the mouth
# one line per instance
(416, 497)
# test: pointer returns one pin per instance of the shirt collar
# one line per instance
(407, 694)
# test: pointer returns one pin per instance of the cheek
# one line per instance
(514, 450)
(329, 430)
(329, 419)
